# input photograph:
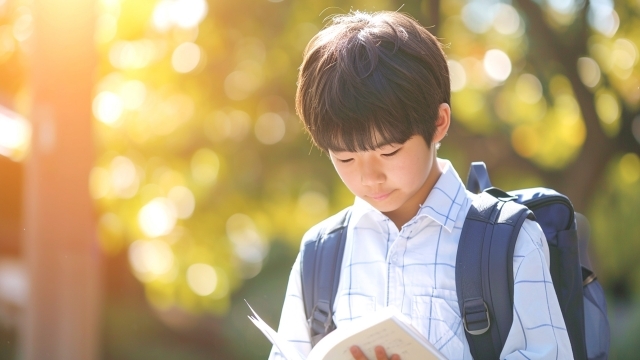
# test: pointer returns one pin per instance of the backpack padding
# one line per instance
(484, 269)
(320, 269)
(557, 219)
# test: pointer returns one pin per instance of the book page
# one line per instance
(384, 330)
(288, 351)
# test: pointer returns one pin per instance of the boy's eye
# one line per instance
(391, 153)
(344, 160)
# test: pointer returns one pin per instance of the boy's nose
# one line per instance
(371, 175)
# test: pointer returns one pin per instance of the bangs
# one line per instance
(360, 133)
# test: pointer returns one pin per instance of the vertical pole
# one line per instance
(63, 310)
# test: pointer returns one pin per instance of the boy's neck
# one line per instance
(402, 215)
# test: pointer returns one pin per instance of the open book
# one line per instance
(387, 328)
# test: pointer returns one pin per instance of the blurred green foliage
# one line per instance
(202, 162)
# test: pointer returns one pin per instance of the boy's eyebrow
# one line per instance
(378, 146)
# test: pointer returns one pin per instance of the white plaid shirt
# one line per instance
(413, 269)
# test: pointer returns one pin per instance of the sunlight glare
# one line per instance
(182, 13)
(157, 218)
(15, 133)
(107, 107)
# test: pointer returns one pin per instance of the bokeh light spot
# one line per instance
(630, 168)
(157, 218)
(133, 93)
(589, 71)
(240, 84)
(603, 18)
(497, 64)
(133, 54)
(150, 258)
(313, 202)
(270, 128)
(189, 13)
(249, 245)
(477, 17)
(183, 201)
(185, 57)
(106, 28)
(507, 19)
(202, 279)
(107, 107)
(182, 13)
(23, 25)
(607, 107)
(529, 88)
(458, 75)
(205, 165)
(563, 6)
(124, 177)
(15, 134)
(7, 43)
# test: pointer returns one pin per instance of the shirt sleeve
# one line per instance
(293, 324)
(538, 330)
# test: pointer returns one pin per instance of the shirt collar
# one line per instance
(442, 204)
(445, 199)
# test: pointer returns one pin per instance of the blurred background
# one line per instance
(154, 175)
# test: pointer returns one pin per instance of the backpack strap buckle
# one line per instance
(321, 320)
(475, 316)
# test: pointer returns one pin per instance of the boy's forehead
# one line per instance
(381, 145)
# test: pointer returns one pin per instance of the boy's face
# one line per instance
(395, 178)
(390, 177)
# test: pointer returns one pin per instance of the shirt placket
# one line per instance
(395, 265)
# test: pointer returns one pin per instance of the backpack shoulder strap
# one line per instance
(320, 264)
(484, 270)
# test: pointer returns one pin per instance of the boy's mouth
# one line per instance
(380, 197)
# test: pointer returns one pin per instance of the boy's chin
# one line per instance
(383, 206)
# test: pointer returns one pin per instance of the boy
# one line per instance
(374, 93)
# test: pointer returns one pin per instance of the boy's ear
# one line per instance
(442, 123)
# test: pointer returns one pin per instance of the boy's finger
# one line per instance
(380, 353)
(357, 353)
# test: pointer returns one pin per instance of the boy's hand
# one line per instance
(381, 354)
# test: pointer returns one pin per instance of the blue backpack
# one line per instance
(485, 306)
